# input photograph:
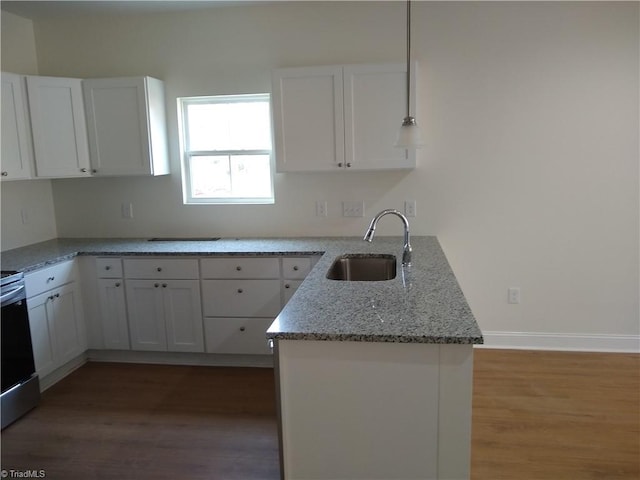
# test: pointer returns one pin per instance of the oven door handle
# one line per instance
(9, 296)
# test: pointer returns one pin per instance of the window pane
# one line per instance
(210, 177)
(236, 125)
(235, 176)
(251, 176)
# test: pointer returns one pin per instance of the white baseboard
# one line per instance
(177, 358)
(562, 341)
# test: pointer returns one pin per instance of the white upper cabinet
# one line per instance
(58, 127)
(17, 157)
(126, 126)
(375, 99)
(340, 117)
(308, 119)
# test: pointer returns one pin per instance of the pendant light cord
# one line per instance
(408, 56)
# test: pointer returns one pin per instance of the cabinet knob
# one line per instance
(242, 329)
(164, 285)
(117, 284)
(286, 285)
(238, 268)
(5, 174)
(348, 165)
(295, 268)
(340, 164)
(159, 269)
(240, 290)
(94, 171)
(156, 285)
(107, 267)
(83, 170)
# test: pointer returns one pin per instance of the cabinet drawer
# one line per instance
(241, 298)
(241, 267)
(237, 335)
(161, 268)
(49, 277)
(296, 267)
(109, 267)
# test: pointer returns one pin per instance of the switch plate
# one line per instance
(353, 209)
(513, 295)
(410, 208)
(321, 208)
(127, 210)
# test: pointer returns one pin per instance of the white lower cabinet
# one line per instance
(55, 318)
(113, 307)
(163, 304)
(237, 335)
(164, 314)
(241, 297)
(113, 310)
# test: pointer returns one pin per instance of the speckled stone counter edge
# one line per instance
(423, 304)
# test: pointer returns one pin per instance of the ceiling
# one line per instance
(53, 8)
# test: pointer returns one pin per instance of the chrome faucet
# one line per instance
(406, 252)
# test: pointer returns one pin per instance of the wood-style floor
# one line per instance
(536, 416)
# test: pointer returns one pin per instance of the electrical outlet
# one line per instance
(321, 208)
(410, 208)
(353, 209)
(513, 295)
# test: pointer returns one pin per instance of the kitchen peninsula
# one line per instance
(375, 378)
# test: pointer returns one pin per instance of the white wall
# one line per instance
(35, 198)
(529, 178)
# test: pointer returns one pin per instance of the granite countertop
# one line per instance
(423, 304)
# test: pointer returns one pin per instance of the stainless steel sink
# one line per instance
(363, 267)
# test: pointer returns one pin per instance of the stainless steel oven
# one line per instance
(20, 384)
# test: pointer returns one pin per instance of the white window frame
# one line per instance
(186, 154)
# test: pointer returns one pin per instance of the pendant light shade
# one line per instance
(409, 135)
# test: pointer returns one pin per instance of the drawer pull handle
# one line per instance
(156, 285)
(159, 269)
(286, 285)
(50, 279)
(295, 268)
(242, 329)
(117, 284)
(240, 290)
(164, 285)
(238, 268)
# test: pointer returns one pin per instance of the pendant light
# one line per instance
(409, 133)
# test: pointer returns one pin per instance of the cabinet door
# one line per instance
(183, 315)
(41, 335)
(16, 133)
(67, 323)
(146, 315)
(126, 126)
(113, 313)
(58, 127)
(308, 119)
(375, 99)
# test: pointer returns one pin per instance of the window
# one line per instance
(226, 148)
